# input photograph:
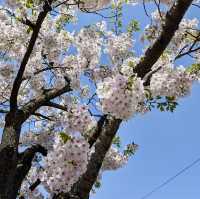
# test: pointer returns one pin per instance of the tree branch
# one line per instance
(43, 100)
(42, 116)
(97, 131)
(25, 21)
(58, 106)
(152, 54)
(29, 153)
(102, 145)
(82, 188)
(3, 111)
(19, 77)
(49, 68)
(26, 157)
(25, 162)
(187, 52)
(35, 184)
(147, 77)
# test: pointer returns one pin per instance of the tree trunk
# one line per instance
(14, 166)
(8, 163)
(9, 183)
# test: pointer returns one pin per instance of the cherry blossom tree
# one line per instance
(61, 105)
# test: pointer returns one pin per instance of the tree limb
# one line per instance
(147, 77)
(29, 153)
(152, 54)
(19, 77)
(35, 184)
(25, 161)
(82, 188)
(42, 116)
(3, 111)
(57, 106)
(93, 138)
(25, 21)
(43, 100)
(187, 52)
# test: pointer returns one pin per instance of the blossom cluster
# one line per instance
(171, 82)
(45, 138)
(79, 119)
(119, 47)
(65, 164)
(92, 5)
(120, 95)
(114, 160)
(100, 73)
(88, 43)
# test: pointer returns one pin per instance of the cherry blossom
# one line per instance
(79, 76)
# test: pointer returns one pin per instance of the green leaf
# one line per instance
(133, 26)
(116, 141)
(193, 69)
(170, 98)
(130, 149)
(97, 184)
(29, 4)
(161, 107)
(65, 137)
(29, 29)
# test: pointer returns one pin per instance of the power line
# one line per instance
(170, 179)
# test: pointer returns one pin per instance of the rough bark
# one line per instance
(8, 165)
(9, 155)
(7, 188)
(14, 168)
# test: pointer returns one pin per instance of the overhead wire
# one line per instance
(171, 179)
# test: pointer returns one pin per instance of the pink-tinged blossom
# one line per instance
(171, 82)
(120, 95)
(65, 164)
